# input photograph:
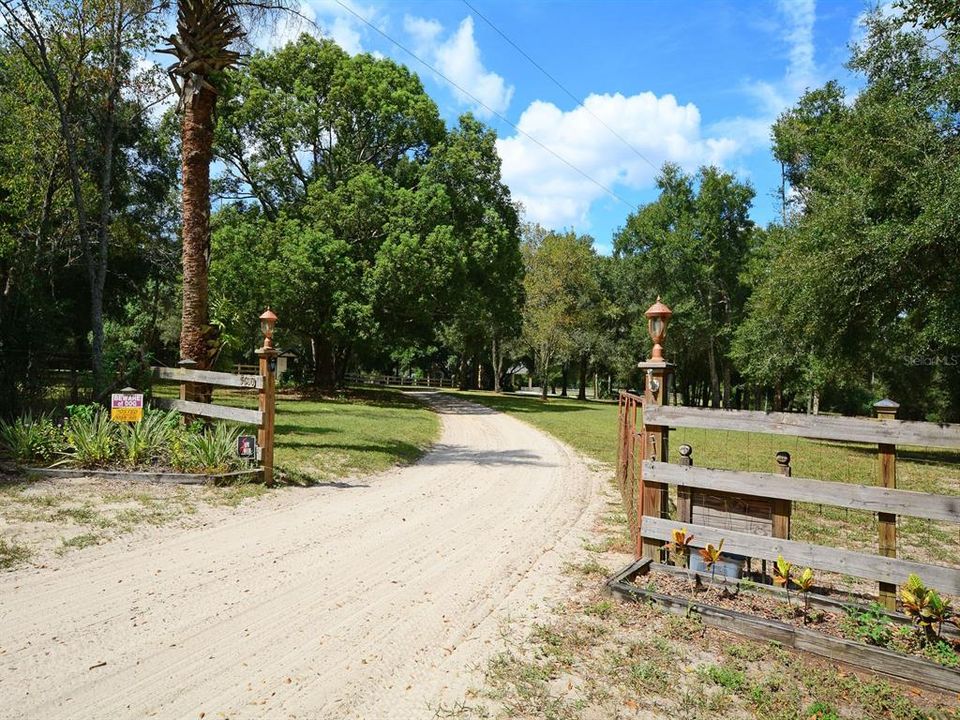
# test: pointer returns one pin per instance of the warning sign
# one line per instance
(126, 407)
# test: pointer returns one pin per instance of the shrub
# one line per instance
(213, 450)
(150, 440)
(28, 439)
(92, 439)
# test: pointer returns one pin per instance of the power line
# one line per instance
(561, 86)
(486, 107)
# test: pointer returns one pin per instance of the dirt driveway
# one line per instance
(377, 599)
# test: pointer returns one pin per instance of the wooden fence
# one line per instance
(647, 482)
(263, 417)
(437, 382)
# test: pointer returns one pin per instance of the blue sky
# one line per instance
(691, 81)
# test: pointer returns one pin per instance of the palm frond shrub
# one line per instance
(149, 441)
(30, 439)
(212, 450)
(92, 440)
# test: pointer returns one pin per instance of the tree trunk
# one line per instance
(497, 365)
(582, 391)
(197, 134)
(563, 379)
(714, 376)
(462, 374)
(97, 270)
(324, 366)
(727, 385)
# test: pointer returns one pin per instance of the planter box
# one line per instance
(875, 659)
(150, 476)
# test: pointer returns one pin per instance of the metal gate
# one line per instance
(629, 456)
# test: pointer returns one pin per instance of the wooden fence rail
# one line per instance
(870, 498)
(743, 495)
(818, 427)
(208, 377)
(831, 559)
(438, 382)
(209, 410)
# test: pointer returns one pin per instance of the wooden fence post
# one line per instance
(685, 494)
(654, 500)
(266, 402)
(887, 455)
(186, 388)
(266, 398)
(782, 508)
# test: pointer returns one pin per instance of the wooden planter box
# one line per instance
(875, 659)
(150, 476)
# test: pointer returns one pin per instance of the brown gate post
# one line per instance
(653, 496)
(266, 399)
(887, 454)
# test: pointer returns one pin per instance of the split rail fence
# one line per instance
(437, 382)
(263, 418)
(644, 482)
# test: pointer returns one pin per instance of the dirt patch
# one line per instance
(43, 519)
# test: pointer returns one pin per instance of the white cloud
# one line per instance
(801, 70)
(555, 195)
(458, 58)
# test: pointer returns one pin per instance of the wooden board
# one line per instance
(819, 557)
(875, 659)
(856, 497)
(208, 377)
(731, 511)
(221, 412)
(822, 427)
(151, 476)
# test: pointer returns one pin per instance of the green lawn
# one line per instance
(357, 432)
(591, 428)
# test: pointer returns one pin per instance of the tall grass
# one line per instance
(90, 439)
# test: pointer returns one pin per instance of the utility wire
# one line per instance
(561, 86)
(486, 107)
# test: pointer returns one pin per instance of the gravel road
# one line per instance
(376, 598)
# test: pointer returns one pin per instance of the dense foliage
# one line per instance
(386, 240)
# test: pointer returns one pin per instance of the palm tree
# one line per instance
(206, 29)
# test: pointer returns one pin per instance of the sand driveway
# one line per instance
(378, 598)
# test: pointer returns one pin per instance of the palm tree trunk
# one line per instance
(197, 133)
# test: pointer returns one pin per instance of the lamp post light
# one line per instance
(658, 317)
(267, 321)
